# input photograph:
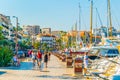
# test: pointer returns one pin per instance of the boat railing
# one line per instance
(105, 67)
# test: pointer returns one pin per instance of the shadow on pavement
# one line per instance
(23, 66)
(44, 71)
(2, 72)
(57, 77)
(57, 67)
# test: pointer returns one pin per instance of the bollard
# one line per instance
(69, 62)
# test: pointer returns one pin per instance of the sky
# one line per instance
(60, 14)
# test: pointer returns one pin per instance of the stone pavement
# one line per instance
(56, 71)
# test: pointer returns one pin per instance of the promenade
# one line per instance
(56, 71)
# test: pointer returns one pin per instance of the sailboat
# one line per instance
(107, 68)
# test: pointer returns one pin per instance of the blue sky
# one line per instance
(59, 14)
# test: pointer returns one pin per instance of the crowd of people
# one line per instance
(39, 57)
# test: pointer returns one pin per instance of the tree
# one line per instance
(62, 39)
(69, 44)
(1, 35)
(44, 46)
(6, 55)
(36, 45)
(59, 43)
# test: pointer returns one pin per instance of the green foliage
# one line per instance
(23, 45)
(60, 41)
(110, 33)
(27, 42)
(19, 28)
(5, 51)
(63, 33)
(50, 49)
(5, 56)
(1, 35)
(40, 30)
(36, 45)
(44, 47)
(83, 39)
(4, 42)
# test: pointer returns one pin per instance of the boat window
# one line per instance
(116, 52)
(110, 51)
(113, 52)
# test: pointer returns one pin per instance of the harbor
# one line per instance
(59, 40)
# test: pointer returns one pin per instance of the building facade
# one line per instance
(6, 24)
(104, 31)
(31, 29)
(46, 30)
(48, 40)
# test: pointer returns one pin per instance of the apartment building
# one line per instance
(6, 24)
(46, 30)
(48, 39)
(31, 29)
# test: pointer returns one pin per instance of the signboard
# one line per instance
(74, 54)
(78, 65)
(69, 61)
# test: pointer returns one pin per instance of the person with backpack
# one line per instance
(39, 58)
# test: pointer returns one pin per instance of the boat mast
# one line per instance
(80, 41)
(91, 14)
(110, 18)
(96, 25)
(79, 22)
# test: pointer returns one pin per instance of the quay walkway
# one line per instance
(56, 71)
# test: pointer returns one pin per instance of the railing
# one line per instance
(104, 67)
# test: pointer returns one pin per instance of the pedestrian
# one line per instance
(49, 55)
(85, 63)
(39, 58)
(16, 60)
(33, 57)
(46, 58)
(30, 53)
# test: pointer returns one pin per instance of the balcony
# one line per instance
(5, 26)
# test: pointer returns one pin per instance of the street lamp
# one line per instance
(16, 32)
